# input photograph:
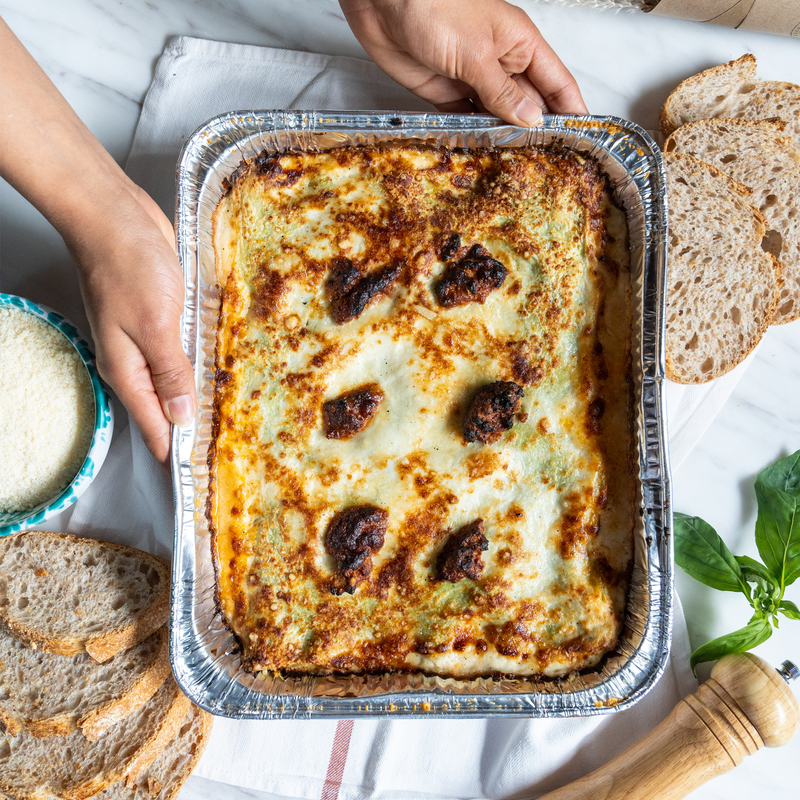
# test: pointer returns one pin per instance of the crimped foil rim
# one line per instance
(202, 651)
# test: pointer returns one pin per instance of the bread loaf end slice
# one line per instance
(68, 595)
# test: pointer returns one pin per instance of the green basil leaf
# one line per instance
(757, 631)
(700, 552)
(755, 572)
(778, 521)
(789, 609)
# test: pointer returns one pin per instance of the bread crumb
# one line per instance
(46, 411)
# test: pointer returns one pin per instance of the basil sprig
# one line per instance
(700, 551)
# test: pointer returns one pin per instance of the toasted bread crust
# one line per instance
(733, 90)
(206, 723)
(731, 185)
(98, 721)
(11, 723)
(103, 646)
(150, 750)
(166, 775)
(738, 70)
(774, 124)
(147, 750)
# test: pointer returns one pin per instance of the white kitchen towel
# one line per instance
(690, 409)
(130, 502)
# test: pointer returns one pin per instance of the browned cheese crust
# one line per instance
(397, 281)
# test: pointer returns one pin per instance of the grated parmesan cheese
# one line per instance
(46, 411)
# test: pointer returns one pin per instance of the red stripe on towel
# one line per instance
(341, 744)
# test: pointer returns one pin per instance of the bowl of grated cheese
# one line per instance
(56, 418)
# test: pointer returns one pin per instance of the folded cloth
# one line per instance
(690, 409)
(130, 501)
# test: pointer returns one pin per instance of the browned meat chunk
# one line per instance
(352, 537)
(350, 292)
(343, 276)
(461, 556)
(450, 247)
(470, 280)
(345, 416)
(492, 411)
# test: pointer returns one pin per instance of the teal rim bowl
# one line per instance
(13, 521)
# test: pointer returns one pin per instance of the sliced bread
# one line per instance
(732, 90)
(163, 779)
(721, 286)
(73, 767)
(783, 218)
(51, 695)
(759, 155)
(68, 595)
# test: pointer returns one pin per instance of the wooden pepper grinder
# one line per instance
(744, 705)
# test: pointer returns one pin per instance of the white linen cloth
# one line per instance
(131, 502)
(690, 409)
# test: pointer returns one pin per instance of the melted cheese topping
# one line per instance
(556, 492)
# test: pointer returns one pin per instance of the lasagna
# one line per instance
(422, 446)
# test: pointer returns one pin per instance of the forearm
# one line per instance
(122, 243)
(48, 154)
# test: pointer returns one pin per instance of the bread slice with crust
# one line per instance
(163, 779)
(759, 155)
(51, 695)
(73, 767)
(732, 90)
(721, 285)
(782, 212)
(67, 595)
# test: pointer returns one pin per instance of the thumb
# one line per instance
(502, 96)
(173, 379)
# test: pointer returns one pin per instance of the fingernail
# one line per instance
(529, 112)
(180, 411)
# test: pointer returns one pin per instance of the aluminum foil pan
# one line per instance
(202, 651)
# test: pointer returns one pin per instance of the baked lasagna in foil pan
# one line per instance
(428, 473)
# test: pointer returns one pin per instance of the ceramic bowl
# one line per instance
(13, 521)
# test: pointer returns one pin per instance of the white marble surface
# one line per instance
(101, 53)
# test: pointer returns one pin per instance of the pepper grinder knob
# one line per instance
(789, 671)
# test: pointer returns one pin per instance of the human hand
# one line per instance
(461, 55)
(133, 291)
